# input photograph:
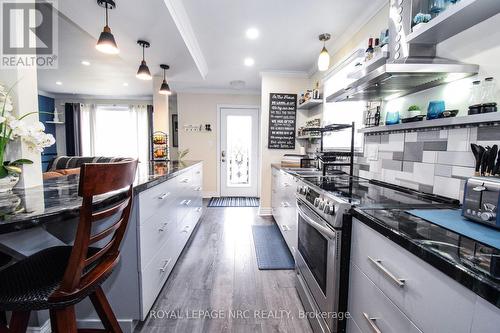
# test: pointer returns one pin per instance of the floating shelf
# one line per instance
(455, 19)
(328, 128)
(309, 104)
(473, 120)
(55, 122)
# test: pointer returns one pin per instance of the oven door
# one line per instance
(318, 259)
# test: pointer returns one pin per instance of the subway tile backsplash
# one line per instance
(433, 161)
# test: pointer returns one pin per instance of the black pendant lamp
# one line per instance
(165, 89)
(143, 73)
(107, 43)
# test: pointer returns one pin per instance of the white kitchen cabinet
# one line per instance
(371, 310)
(165, 224)
(284, 187)
(486, 317)
(431, 300)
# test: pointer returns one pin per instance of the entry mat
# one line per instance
(453, 220)
(233, 202)
(271, 249)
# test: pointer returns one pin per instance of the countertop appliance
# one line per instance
(481, 200)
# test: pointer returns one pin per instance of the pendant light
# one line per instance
(143, 73)
(106, 43)
(324, 57)
(165, 89)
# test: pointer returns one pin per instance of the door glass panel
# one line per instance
(314, 249)
(239, 149)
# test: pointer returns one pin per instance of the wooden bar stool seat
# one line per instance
(57, 278)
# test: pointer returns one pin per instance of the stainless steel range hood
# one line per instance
(386, 80)
(405, 69)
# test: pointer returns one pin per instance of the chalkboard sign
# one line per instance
(282, 121)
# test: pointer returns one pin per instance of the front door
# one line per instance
(239, 149)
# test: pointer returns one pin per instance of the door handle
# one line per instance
(164, 195)
(223, 156)
(164, 268)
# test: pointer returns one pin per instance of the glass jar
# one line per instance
(475, 93)
(437, 6)
(489, 90)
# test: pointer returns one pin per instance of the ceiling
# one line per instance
(203, 41)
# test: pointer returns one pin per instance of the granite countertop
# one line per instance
(58, 198)
(472, 264)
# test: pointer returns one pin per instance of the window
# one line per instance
(115, 131)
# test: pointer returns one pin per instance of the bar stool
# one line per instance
(57, 278)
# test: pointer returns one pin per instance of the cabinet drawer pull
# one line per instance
(284, 227)
(198, 189)
(392, 277)
(163, 227)
(164, 268)
(186, 229)
(372, 322)
(286, 184)
(187, 202)
(185, 180)
(164, 195)
(198, 209)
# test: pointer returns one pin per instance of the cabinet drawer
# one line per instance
(197, 173)
(154, 276)
(416, 295)
(154, 234)
(372, 310)
(352, 327)
(154, 199)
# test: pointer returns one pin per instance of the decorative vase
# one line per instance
(8, 183)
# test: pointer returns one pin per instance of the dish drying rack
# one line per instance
(332, 160)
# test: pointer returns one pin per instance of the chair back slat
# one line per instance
(110, 211)
(105, 233)
(98, 179)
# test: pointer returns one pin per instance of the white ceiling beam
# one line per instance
(181, 20)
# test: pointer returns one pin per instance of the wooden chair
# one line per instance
(57, 278)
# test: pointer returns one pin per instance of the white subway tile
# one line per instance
(456, 158)
(458, 171)
(458, 139)
(429, 156)
(448, 187)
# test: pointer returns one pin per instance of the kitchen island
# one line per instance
(167, 207)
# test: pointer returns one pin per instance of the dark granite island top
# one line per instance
(472, 264)
(58, 198)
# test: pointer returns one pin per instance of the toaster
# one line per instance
(481, 200)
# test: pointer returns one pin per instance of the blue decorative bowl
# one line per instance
(392, 118)
(435, 109)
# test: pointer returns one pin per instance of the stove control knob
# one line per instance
(321, 205)
(329, 209)
(316, 202)
(488, 216)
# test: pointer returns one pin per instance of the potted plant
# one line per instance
(13, 129)
(414, 110)
(420, 20)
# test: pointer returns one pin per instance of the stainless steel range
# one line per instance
(319, 256)
(322, 258)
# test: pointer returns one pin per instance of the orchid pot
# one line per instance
(16, 129)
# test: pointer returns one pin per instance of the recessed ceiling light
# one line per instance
(59, 83)
(252, 33)
(85, 63)
(125, 84)
(249, 61)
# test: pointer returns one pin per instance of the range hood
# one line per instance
(404, 69)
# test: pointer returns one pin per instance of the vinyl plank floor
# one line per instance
(216, 285)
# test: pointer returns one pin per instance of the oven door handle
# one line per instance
(323, 230)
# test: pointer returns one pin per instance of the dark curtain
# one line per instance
(150, 131)
(73, 129)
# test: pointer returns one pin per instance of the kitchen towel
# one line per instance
(453, 220)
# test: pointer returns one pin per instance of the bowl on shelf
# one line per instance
(448, 114)
(412, 119)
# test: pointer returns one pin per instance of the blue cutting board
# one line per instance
(453, 220)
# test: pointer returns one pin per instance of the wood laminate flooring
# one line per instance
(217, 276)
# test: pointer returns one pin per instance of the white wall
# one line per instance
(200, 108)
(275, 83)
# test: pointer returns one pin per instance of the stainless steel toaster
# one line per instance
(481, 200)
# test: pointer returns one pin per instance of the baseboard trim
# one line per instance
(265, 211)
(210, 194)
(127, 325)
(45, 328)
